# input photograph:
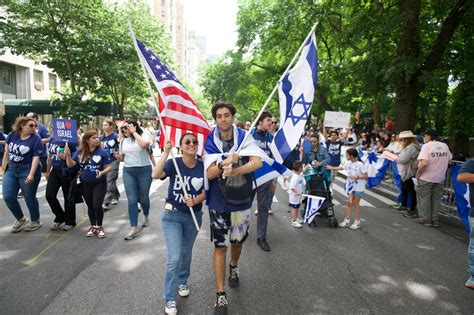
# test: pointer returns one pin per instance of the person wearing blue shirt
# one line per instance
(178, 226)
(21, 170)
(94, 164)
(334, 146)
(44, 134)
(110, 144)
(318, 156)
(60, 176)
(466, 175)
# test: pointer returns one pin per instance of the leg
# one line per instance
(349, 206)
(69, 207)
(87, 192)
(263, 193)
(10, 188)
(356, 203)
(412, 194)
(405, 193)
(235, 251)
(470, 251)
(294, 214)
(173, 234)
(29, 191)
(52, 189)
(131, 189)
(219, 267)
(423, 191)
(144, 184)
(189, 236)
(99, 192)
(112, 190)
(437, 192)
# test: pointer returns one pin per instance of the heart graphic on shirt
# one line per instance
(197, 183)
(24, 149)
(96, 158)
(111, 143)
(67, 124)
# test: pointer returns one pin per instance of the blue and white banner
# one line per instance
(461, 191)
(65, 130)
(312, 207)
(296, 94)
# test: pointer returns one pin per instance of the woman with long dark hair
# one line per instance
(94, 164)
(22, 169)
(133, 150)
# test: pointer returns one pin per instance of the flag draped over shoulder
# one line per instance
(179, 112)
(461, 191)
(312, 206)
(296, 94)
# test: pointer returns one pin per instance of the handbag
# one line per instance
(75, 191)
(237, 189)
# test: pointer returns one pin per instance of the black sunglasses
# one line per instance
(32, 125)
(188, 142)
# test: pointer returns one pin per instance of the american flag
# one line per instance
(179, 112)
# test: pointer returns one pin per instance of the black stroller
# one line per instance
(318, 185)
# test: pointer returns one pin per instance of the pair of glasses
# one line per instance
(188, 142)
(274, 122)
(32, 125)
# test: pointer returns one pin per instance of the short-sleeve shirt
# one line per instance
(438, 156)
(99, 159)
(53, 148)
(43, 133)
(110, 144)
(134, 154)
(193, 179)
(334, 152)
(297, 181)
(23, 151)
(355, 169)
(468, 167)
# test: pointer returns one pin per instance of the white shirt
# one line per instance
(355, 169)
(297, 181)
(134, 154)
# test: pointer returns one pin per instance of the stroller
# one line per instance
(318, 185)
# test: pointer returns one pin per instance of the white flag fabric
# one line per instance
(312, 207)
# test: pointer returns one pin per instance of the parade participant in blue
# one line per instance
(94, 164)
(177, 223)
(110, 143)
(230, 213)
(264, 192)
(60, 176)
(133, 150)
(334, 145)
(44, 134)
(317, 157)
(22, 170)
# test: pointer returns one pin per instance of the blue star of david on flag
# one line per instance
(300, 110)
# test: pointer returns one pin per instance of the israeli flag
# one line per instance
(312, 207)
(376, 170)
(461, 191)
(296, 94)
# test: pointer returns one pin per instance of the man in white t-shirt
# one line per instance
(433, 162)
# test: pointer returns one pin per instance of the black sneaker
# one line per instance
(234, 276)
(263, 244)
(220, 308)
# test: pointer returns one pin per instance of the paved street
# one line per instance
(391, 265)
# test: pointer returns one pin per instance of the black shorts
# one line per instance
(43, 161)
(296, 206)
(229, 227)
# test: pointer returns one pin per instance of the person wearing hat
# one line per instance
(408, 165)
(433, 162)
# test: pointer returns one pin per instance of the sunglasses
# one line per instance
(32, 125)
(274, 122)
(188, 142)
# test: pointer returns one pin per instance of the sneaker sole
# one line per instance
(33, 229)
(183, 295)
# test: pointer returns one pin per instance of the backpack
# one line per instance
(237, 189)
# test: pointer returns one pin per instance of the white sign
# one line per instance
(337, 119)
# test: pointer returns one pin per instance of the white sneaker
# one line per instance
(33, 226)
(114, 202)
(355, 225)
(183, 290)
(170, 307)
(296, 224)
(345, 223)
(146, 221)
(19, 224)
(131, 235)
(56, 226)
(256, 212)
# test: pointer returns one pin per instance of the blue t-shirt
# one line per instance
(468, 167)
(110, 144)
(53, 148)
(194, 183)
(100, 158)
(334, 151)
(43, 133)
(263, 140)
(2, 138)
(23, 151)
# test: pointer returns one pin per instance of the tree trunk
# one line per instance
(376, 109)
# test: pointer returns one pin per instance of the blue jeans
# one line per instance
(13, 180)
(137, 181)
(470, 251)
(180, 232)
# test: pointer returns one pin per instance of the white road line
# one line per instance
(274, 199)
(383, 199)
(363, 202)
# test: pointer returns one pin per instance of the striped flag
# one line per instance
(179, 112)
(312, 207)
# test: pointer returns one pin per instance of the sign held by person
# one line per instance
(65, 130)
(337, 119)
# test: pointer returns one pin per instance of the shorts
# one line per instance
(43, 161)
(296, 206)
(229, 227)
(357, 193)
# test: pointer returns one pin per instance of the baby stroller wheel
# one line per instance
(332, 222)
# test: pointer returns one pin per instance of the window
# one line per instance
(38, 82)
(53, 86)
(6, 76)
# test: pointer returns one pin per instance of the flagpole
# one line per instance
(162, 126)
(276, 87)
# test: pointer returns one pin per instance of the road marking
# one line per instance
(363, 202)
(375, 195)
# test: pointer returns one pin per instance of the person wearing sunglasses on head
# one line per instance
(178, 225)
(133, 150)
(22, 170)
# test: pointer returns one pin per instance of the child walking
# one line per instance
(355, 186)
(296, 189)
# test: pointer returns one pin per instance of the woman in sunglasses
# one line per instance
(178, 226)
(133, 150)
(23, 170)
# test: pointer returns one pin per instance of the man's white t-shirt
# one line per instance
(134, 154)
(297, 181)
(355, 169)
(438, 156)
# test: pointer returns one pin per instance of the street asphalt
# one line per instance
(390, 266)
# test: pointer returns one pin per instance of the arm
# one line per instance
(142, 142)
(34, 166)
(5, 158)
(421, 168)
(158, 170)
(467, 178)
(254, 164)
(49, 163)
(45, 140)
(214, 171)
(405, 156)
(69, 161)
(191, 202)
(325, 160)
(106, 170)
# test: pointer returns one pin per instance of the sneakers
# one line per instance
(131, 235)
(146, 222)
(470, 283)
(411, 215)
(233, 276)
(114, 201)
(256, 212)
(92, 231)
(355, 225)
(56, 226)
(425, 222)
(68, 227)
(100, 232)
(263, 244)
(33, 226)
(183, 290)
(220, 308)
(106, 206)
(296, 224)
(19, 224)
(435, 224)
(270, 211)
(345, 223)
(170, 307)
